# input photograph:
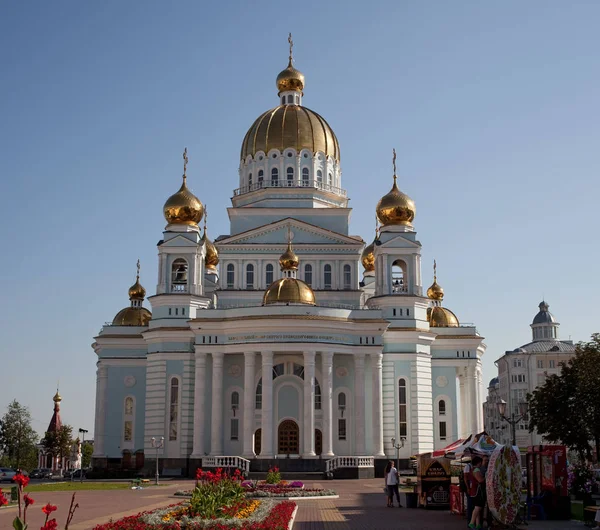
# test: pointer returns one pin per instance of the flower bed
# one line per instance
(284, 492)
(264, 484)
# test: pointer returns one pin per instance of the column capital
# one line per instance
(377, 359)
(309, 357)
(267, 357)
(327, 357)
(249, 357)
(359, 360)
(218, 357)
(200, 357)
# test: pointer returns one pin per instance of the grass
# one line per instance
(73, 486)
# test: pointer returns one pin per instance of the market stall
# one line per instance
(433, 480)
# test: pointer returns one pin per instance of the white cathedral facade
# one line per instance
(272, 342)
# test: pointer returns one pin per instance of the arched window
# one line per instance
(319, 176)
(305, 176)
(283, 100)
(442, 407)
(258, 400)
(347, 277)
(274, 176)
(269, 274)
(327, 277)
(290, 176)
(179, 276)
(257, 441)
(341, 420)
(342, 401)
(402, 412)
(174, 409)
(329, 179)
(230, 276)
(399, 277)
(128, 417)
(297, 99)
(318, 395)
(261, 176)
(250, 276)
(250, 180)
(308, 274)
(235, 401)
(290, 98)
(128, 406)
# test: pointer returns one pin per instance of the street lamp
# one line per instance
(83, 433)
(397, 447)
(514, 419)
(157, 444)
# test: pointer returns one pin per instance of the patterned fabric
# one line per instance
(503, 482)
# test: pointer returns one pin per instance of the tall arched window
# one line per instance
(179, 276)
(341, 419)
(318, 395)
(230, 276)
(269, 274)
(290, 98)
(329, 179)
(402, 412)
(308, 274)
(249, 276)
(258, 400)
(442, 407)
(261, 176)
(250, 180)
(274, 176)
(174, 409)
(128, 417)
(235, 401)
(290, 176)
(327, 277)
(128, 406)
(305, 176)
(234, 424)
(347, 277)
(319, 176)
(399, 277)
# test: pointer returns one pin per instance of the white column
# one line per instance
(359, 403)
(267, 405)
(198, 449)
(472, 393)
(377, 367)
(249, 365)
(216, 427)
(308, 428)
(100, 420)
(327, 397)
(462, 410)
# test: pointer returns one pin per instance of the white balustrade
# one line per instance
(236, 462)
(339, 462)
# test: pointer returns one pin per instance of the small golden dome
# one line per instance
(440, 317)
(57, 397)
(212, 254)
(435, 291)
(396, 208)
(289, 291)
(137, 291)
(132, 316)
(183, 207)
(290, 79)
(368, 258)
(289, 260)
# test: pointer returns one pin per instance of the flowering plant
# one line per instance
(273, 476)
(214, 492)
(580, 478)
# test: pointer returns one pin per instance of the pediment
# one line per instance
(180, 240)
(399, 241)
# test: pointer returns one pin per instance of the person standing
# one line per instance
(477, 492)
(468, 479)
(391, 482)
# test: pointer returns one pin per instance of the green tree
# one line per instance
(17, 437)
(566, 409)
(86, 455)
(59, 442)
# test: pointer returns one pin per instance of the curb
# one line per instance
(293, 518)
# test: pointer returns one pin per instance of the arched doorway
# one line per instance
(257, 441)
(318, 441)
(288, 438)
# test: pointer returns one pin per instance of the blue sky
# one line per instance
(492, 107)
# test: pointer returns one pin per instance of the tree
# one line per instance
(17, 437)
(59, 442)
(86, 455)
(565, 409)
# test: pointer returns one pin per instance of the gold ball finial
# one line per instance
(183, 207)
(396, 208)
(435, 291)
(290, 78)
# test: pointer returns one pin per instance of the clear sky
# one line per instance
(492, 107)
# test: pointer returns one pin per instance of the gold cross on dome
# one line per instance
(394, 161)
(291, 47)
(185, 163)
(434, 271)
(138, 269)
(205, 218)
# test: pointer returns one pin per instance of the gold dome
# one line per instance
(212, 254)
(132, 316)
(368, 258)
(290, 126)
(289, 260)
(183, 207)
(396, 208)
(435, 291)
(289, 291)
(57, 397)
(137, 291)
(440, 317)
(290, 79)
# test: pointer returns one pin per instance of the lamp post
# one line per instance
(397, 447)
(157, 444)
(514, 419)
(83, 433)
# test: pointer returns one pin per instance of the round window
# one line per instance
(274, 155)
(290, 155)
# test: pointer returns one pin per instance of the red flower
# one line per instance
(49, 508)
(28, 500)
(21, 480)
(50, 525)
(3, 499)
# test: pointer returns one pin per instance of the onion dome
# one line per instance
(137, 291)
(368, 257)
(544, 316)
(290, 78)
(440, 317)
(135, 314)
(289, 261)
(435, 291)
(183, 207)
(211, 260)
(57, 397)
(396, 208)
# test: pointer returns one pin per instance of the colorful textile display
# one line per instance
(503, 481)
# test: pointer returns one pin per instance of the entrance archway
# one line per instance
(288, 438)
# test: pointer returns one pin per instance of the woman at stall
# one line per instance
(391, 483)
(477, 491)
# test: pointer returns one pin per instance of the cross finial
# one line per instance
(394, 162)
(205, 217)
(289, 232)
(185, 163)
(434, 271)
(291, 48)
(138, 270)
(376, 226)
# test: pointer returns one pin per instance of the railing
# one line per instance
(289, 184)
(227, 461)
(338, 462)
(225, 305)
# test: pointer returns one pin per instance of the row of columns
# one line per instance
(469, 381)
(308, 427)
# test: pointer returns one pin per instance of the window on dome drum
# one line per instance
(329, 179)
(179, 276)
(230, 276)
(318, 395)
(269, 274)
(283, 100)
(250, 180)
(347, 277)
(290, 98)
(235, 402)
(305, 176)
(174, 409)
(290, 176)
(442, 407)
(402, 411)
(399, 276)
(443, 430)
(308, 274)
(341, 428)
(235, 429)
(258, 400)
(250, 276)
(261, 176)
(278, 369)
(327, 277)
(274, 176)
(319, 176)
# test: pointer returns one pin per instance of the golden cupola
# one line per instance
(289, 290)
(396, 208)
(438, 316)
(211, 260)
(367, 257)
(183, 207)
(135, 314)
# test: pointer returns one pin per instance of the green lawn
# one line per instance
(73, 486)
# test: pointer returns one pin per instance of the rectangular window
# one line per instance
(341, 429)
(442, 430)
(174, 409)
(402, 412)
(540, 363)
(517, 363)
(235, 427)
(551, 364)
(127, 431)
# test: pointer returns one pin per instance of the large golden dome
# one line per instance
(396, 208)
(132, 316)
(440, 317)
(368, 258)
(290, 126)
(289, 291)
(290, 79)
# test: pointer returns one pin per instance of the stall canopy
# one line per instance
(481, 443)
(450, 448)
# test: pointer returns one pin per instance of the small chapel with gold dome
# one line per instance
(287, 341)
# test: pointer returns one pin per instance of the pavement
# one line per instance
(361, 506)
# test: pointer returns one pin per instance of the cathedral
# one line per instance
(287, 340)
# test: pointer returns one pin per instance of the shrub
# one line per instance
(273, 476)
(215, 493)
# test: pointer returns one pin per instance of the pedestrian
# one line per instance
(477, 492)
(391, 483)
(467, 480)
